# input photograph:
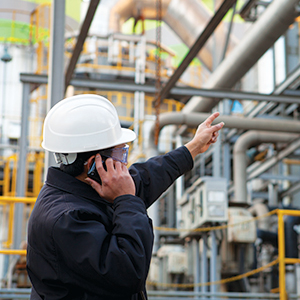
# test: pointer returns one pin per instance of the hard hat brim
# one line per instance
(127, 137)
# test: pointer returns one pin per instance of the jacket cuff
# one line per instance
(129, 201)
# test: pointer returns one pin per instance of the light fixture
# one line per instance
(6, 57)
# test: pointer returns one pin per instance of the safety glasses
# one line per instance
(120, 153)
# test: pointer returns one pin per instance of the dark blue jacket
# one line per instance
(82, 247)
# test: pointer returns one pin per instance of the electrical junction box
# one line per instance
(174, 258)
(203, 203)
(170, 260)
(245, 230)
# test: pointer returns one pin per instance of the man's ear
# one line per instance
(90, 161)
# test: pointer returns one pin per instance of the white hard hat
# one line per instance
(83, 123)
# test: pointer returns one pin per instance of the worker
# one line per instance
(92, 239)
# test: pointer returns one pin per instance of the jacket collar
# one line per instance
(67, 183)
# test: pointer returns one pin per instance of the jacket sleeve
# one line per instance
(154, 176)
(101, 259)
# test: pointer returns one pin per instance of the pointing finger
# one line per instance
(218, 126)
(211, 118)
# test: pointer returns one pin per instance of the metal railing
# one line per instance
(13, 294)
(8, 208)
(282, 260)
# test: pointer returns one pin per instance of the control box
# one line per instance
(204, 202)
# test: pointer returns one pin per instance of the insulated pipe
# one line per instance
(194, 119)
(273, 23)
(245, 141)
(193, 16)
(258, 210)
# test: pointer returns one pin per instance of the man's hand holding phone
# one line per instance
(116, 180)
(93, 173)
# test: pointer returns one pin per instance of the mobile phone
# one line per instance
(93, 173)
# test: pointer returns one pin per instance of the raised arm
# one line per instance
(154, 176)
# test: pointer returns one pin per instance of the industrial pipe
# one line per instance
(193, 16)
(258, 210)
(194, 119)
(273, 23)
(245, 141)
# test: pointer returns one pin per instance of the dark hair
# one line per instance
(77, 167)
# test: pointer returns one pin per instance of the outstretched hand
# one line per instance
(206, 135)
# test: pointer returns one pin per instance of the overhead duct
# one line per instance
(193, 16)
(245, 141)
(273, 23)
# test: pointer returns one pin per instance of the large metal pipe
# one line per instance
(258, 210)
(245, 141)
(193, 16)
(261, 36)
(194, 119)
(197, 46)
(276, 19)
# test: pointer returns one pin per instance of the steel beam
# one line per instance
(213, 261)
(204, 264)
(229, 32)
(56, 61)
(290, 80)
(56, 53)
(265, 166)
(245, 10)
(217, 93)
(259, 38)
(80, 40)
(295, 188)
(175, 92)
(291, 93)
(267, 176)
(201, 40)
(21, 174)
(282, 89)
(196, 255)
